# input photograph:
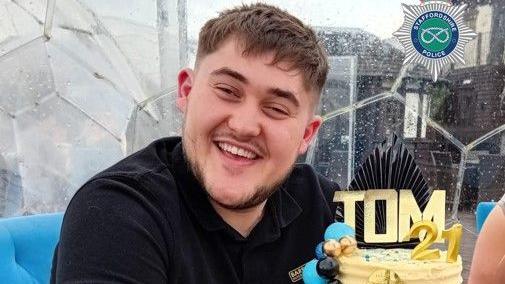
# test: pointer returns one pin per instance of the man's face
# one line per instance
(246, 121)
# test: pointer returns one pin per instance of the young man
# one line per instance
(226, 204)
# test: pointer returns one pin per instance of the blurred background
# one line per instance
(84, 83)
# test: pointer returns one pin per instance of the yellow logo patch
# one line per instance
(296, 274)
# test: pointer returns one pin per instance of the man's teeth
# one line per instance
(237, 151)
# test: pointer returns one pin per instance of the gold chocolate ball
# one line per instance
(348, 245)
(345, 241)
(348, 250)
(332, 248)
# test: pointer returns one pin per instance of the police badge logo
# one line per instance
(434, 35)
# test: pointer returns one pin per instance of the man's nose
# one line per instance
(245, 120)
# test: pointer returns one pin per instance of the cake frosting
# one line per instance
(340, 261)
(359, 267)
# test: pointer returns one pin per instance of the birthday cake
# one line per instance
(339, 260)
(387, 222)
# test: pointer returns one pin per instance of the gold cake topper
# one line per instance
(402, 209)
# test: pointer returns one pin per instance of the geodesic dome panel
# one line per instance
(77, 78)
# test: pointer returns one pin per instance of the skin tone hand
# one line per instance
(488, 264)
(500, 272)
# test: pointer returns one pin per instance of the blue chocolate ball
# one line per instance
(338, 230)
(320, 251)
(310, 275)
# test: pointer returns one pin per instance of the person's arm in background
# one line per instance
(110, 234)
(500, 272)
(488, 264)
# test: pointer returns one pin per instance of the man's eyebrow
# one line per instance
(232, 73)
(284, 94)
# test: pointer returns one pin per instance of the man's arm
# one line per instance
(111, 233)
(490, 249)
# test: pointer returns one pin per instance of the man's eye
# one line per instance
(276, 112)
(226, 91)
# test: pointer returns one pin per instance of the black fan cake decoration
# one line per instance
(390, 166)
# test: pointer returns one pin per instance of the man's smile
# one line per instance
(237, 151)
(237, 156)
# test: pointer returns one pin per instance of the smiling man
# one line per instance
(225, 203)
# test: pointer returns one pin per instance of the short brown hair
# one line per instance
(263, 28)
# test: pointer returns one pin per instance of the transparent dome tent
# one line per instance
(83, 83)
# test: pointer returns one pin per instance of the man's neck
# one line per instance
(244, 220)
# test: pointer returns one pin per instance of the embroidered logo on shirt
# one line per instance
(296, 274)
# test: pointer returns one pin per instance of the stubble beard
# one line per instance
(260, 195)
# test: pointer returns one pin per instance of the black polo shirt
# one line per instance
(147, 220)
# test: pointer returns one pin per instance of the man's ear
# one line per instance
(309, 134)
(184, 86)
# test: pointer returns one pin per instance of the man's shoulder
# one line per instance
(306, 175)
(309, 187)
(152, 158)
(144, 177)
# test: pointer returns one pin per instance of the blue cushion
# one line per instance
(483, 210)
(26, 247)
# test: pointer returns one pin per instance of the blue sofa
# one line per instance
(26, 247)
(483, 210)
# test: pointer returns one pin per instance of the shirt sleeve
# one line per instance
(501, 203)
(111, 234)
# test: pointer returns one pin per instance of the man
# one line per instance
(226, 204)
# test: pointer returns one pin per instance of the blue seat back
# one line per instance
(26, 247)
(483, 210)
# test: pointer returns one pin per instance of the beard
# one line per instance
(260, 195)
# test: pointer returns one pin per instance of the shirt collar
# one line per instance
(281, 205)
